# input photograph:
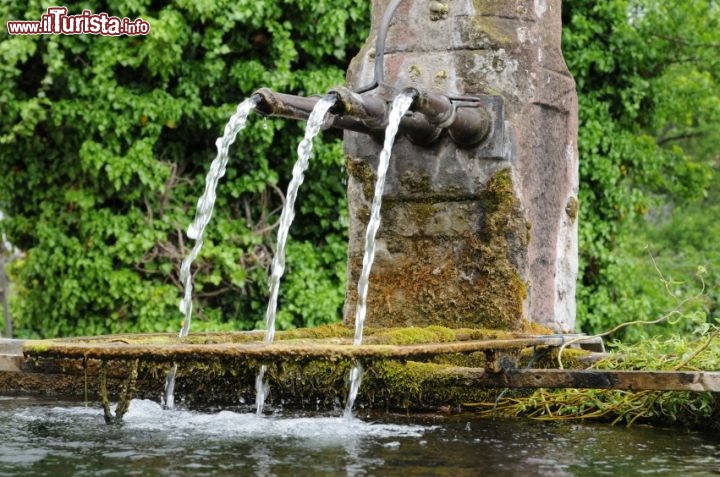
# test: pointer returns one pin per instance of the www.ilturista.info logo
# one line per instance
(57, 22)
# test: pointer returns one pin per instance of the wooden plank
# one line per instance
(592, 379)
(278, 350)
(120, 349)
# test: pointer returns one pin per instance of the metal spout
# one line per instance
(271, 103)
(466, 122)
(437, 108)
(370, 109)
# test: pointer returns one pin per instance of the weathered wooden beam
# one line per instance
(278, 350)
(591, 379)
(396, 381)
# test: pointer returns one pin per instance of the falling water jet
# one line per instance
(401, 104)
(203, 213)
(314, 123)
(261, 389)
(354, 380)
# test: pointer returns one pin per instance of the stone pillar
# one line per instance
(476, 237)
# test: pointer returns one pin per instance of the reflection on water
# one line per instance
(39, 438)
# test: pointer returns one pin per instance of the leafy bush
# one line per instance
(104, 147)
(105, 143)
(647, 76)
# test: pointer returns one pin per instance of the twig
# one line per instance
(666, 317)
(702, 348)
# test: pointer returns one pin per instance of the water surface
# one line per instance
(41, 438)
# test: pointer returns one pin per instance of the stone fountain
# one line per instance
(479, 226)
(477, 248)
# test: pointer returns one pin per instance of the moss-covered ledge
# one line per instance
(407, 368)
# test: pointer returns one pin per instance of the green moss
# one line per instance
(403, 382)
(316, 383)
(482, 334)
(465, 360)
(443, 334)
(363, 173)
(35, 347)
(571, 208)
(469, 276)
(504, 232)
(337, 330)
(536, 329)
(438, 10)
(412, 335)
(417, 386)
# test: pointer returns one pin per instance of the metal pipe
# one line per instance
(378, 73)
(467, 125)
(370, 109)
(271, 103)
(471, 126)
(437, 108)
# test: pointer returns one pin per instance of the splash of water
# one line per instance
(304, 150)
(400, 106)
(196, 230)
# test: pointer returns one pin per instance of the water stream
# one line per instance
(304, 150)
(196, 230)
(399, 107)
(46, 437)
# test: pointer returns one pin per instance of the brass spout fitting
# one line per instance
(467, 124)
(369, 109)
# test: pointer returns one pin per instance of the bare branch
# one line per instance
(679, 137)
(680, 41)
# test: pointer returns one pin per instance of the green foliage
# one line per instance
(105, 144)
(696, 350)
(647, 75)
(681, 256)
